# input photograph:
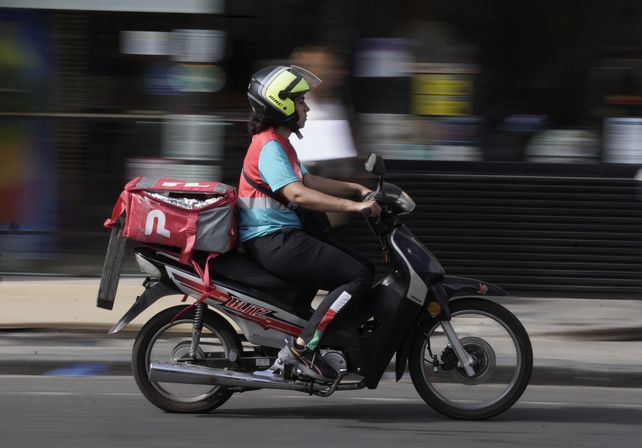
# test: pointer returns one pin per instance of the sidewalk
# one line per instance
(54, 322)
(41, 302)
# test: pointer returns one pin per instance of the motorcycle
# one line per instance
(468, 357)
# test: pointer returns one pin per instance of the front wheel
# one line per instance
(502, 355)
(166, 339)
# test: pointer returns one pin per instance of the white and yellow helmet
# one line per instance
(273, 90)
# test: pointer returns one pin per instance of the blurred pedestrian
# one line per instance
(328, 120)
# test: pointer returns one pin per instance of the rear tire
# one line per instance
(217, 334)
(501, 347)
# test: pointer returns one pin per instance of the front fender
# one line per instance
(144, 301)
(438, 294)
(462, 286)
(453, 288)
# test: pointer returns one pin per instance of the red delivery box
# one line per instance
(186, 215)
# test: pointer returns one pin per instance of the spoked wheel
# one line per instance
(163, 340)
(502, 361)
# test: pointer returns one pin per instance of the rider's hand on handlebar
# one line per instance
(364, 191)
(375, 209)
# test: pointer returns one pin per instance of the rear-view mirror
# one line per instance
(375, 164)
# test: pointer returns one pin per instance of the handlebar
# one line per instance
(365, 212)
(372, 196)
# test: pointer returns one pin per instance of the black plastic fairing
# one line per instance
(462, 286)
(422, 261)
(374, 329)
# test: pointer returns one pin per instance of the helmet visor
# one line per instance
(310, 78)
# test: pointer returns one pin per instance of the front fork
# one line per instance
(440, 296)
(464, 358)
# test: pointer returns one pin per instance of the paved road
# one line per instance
(109, 412)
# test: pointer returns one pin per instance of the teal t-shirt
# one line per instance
(263, 216)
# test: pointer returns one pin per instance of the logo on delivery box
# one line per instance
(156, 217)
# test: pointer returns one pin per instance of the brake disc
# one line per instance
(484, 361)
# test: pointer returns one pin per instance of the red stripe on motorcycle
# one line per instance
(265, 322)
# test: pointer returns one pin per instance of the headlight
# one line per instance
(405, 202)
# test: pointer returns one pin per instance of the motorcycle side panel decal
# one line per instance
(247, 308)
(235, 303)
(262, 316)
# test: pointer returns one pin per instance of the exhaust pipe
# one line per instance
(174, 372)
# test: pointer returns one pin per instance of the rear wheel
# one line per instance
(502, 355)
(163, 340)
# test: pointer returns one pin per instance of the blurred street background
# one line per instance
(516, 126)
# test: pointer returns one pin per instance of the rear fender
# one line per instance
(144, 301)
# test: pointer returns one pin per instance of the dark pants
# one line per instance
(309, 262)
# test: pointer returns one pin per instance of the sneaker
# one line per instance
(309, 362)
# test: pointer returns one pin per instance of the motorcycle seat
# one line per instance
(241, 268)
(237, 270)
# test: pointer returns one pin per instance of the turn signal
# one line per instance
(434, 309)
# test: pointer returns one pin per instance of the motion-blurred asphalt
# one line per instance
(51, 326)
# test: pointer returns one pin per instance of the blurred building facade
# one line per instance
(94, 93)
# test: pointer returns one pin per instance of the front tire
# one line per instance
(162, 339)
(503, 356)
